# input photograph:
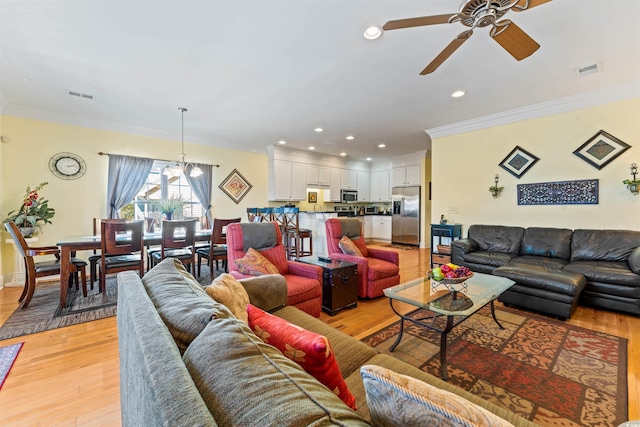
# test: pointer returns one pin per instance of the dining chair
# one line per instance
(177, 241)
(296, 235)
(217, 250)
(33, 269)
(122, 248)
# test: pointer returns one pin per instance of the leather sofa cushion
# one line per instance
(548, 279)
(497, 238)
(603, 245)
(546, 261)
(549, 242)
(606, 271)
(495, 259)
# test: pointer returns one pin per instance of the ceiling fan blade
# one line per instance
(513, 39)
(526, 5)
(418, 22)
(447, 52)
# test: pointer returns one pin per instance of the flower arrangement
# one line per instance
(33, 209)
(170, 205)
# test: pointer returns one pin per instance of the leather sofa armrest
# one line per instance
(465, 245)
(382, 254)
(634, 260)
(268, 292)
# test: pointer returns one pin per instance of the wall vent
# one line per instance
(589, 69)
(80, 95)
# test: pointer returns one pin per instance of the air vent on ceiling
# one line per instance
(79, 95)
(588, 69)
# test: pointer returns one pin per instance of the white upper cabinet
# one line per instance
(380, 186)
(287, 181)
(363, 184)
(348, 179)
(318, 176)
(406, 175)
(333, 195)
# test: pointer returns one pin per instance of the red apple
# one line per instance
(451, 275)
(445, 268)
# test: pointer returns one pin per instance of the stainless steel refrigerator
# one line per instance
(405, 222)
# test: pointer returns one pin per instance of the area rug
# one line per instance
(8, 355)
(44, 311)
(399, 246)
(544, 370)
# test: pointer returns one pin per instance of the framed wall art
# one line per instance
(601, 149)
(579, 192)
(312, 197)
(518, 161)
(235, 186)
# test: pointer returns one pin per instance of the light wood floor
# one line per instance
(70, 376)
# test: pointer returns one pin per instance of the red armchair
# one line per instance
(377, 268)
(304, 281)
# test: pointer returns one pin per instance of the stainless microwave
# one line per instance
(348, 196)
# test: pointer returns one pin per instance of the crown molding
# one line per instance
(561, 105)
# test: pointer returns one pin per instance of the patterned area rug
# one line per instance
(398, 246)
(8, 355)
(545, 370)
(44, 311)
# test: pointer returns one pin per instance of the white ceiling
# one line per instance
(255, 72)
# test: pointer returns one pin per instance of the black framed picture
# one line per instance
(518, 161)
(312, 197)
(601, 149)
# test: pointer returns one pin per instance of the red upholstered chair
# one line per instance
(304, 281)
(377, 268)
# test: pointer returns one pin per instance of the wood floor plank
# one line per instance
(80, 363)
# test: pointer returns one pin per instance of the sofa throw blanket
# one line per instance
(258, 236)
(350, 228)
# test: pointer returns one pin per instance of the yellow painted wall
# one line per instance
(25, 158)
(463, 167)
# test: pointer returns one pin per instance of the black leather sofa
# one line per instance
(555, 268)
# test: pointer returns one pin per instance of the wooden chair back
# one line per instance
(21, 244)
(120, 237)
(218, 237)
(178, 234)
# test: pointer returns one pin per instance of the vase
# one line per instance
(168, 215)
(27, 231)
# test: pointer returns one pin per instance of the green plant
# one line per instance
(631, 182)
(170, 205)
(33, 209)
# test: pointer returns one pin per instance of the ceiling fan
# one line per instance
(478, 14)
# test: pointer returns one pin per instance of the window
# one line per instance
(156, 188)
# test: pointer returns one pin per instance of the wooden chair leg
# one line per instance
(83, 274)
(32, 288)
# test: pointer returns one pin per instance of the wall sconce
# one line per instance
(495, 189)
(633, 184)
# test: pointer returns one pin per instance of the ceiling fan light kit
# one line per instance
(479, 14)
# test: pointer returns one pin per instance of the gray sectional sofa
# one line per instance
(555, 268)
(185, 360)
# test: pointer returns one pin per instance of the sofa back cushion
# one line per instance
(551, 242)
(181, 301)
(603, 245)
(245, 382)
(497, 238)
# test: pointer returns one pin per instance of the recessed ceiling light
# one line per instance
(343, 154)
(282, 142)
(369, 159)
(381, 145)
(350, 137)
(318, 129)
(372, 32)
(457, 94)
(312, 148)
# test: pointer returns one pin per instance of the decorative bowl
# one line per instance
(449, 281)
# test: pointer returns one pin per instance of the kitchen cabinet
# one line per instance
(287, 181)
(333, 195)
(348, 179)
(363, 186)
(318, 176)
(314, 221)
(381, 227)
(368, 221)
(380, 187)
(406, 175)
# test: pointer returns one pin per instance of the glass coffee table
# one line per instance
(456, 302)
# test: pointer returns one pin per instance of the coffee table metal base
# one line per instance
(450, 324)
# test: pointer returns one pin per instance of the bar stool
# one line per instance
(296, 236)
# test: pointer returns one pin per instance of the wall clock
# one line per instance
(67, 165)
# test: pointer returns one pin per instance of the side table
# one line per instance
(19, 273)
(339, 283)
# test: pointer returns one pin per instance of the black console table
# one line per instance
(339, 283)
(442, 255)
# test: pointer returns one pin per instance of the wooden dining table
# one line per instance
(92, 242)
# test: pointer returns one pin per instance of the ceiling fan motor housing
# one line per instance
(482, 13)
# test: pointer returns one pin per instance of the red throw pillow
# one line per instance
(348, 247)
(310, 350)
(255, 264)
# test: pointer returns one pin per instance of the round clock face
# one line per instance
(67, 166)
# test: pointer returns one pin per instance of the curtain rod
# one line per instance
(101, 153)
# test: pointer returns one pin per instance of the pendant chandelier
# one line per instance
(181, 167)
